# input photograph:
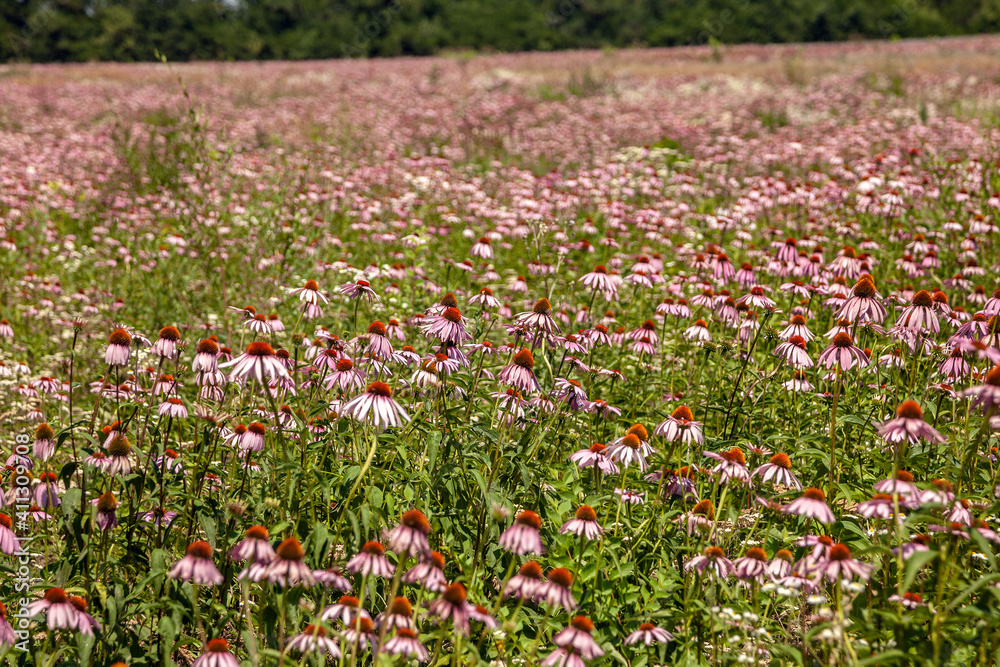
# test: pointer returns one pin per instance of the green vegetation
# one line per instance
(130, 30)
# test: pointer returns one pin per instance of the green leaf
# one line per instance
(914, 565)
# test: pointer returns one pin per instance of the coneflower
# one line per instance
(288, 568)
(410, 535)
(557, 589)
(254, 547)
(595, 455)
(309, 293)
(258, 363)
(313, 638)
(578, 636)
(379, 346)
(360, 289)
(864, 304)
(841, 564)
(583, 524)
(371, 560)
(45, 443)
(811, 504)
(429, 573)
(216, 654)
(8, 539)
(377, 402)
(518, 373)
(752, 565)
(793, 352)
(713, 560)
(196, 566)
(399, 614)
(524, 584)
(452, 605)
(107, 511)
(908, 426)
(449, 326)
(346, 609)
(986, 395)
(842, 353)
(118, 351)
(649, 634)
(522, 536)
(59, 611)
(405, 643)
(778, 471)
(539, 317)
(166, 345)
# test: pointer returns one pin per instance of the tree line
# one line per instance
(134, 30)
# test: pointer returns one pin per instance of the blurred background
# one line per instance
(181, 30)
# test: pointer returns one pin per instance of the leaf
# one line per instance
(892, 655)
(914, 565)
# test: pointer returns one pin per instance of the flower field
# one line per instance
(663, 357)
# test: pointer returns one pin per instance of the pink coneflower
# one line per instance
(557, 589)
(332, 577)
(258, 363)
(518, 373)
(119, 461)
(630, 497)
(6, 331)
(399, 614)
(309, 293)
(649, 634)
(793, 352)
(583, 524)
(797, 327)
(751, 565)
(628, 450)
(405, 643)
(7, 636)
(955, 367)
(578, 635)
(346, 376)
(840, 563)
(216, 655)
(680, 425)
(881, 506)
(287, 568)
(8, 539)
(811, 504)
(522, 536)
(919, 315)
(864, 304)
(698, 332)
(410, 535)
(779, 471)
(359, 290)
(842, 353)
(485, 299)
(166, 345)
(45, 442)
(525, 583)
(595, 455)
(598, 280)
(107, 512)
(346, 609)
(206, 358)
(987, 395)
(908, 426)
(118, 350)
(313, 638)
(59, 611)
(539, 317)
(449, 326)
(452, 605)
(781, 565)
(85, 624)
(428, 573)
(174, 408)
(196, 566)
(731, 466)
(254, 547)
(714, 560)
(371, 560)
(376, 400)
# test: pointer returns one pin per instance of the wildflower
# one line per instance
(359, 290)
(371, 560)
(196, 566)
(7, 636)
(332, 577)
(405, 643)
(779, 471)
(908, 426)
(522, 536)
(578, 635)
(842, 353)
(346, 609)
(864, 304)
(752, 565)
(518, 373)
(793, 352)
(45, 442)
(649, 634)
(539, 317)
(584, 524)
(840, 563)
(557, 589)
(117, 353)
(254, 547)
(525, 583)
(216, 654)
(258, 363)
(811, 504)
(8, 539)
(452, 605)
(627, 451)
(410, 535)
(987, 395)
(166, 344)
(174, 408)
(314, 638)
(107, 511)
(680, 425)
(712, 559)
(59, 612)
(361, 633)
(429, 573)
(86, 624)
(119, 460)
(919, 315)
(732, 465)
(594, 456)
(377, 400)
(399, 614)
(449, 326)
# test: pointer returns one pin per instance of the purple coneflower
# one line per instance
(779, 471)
(908, 426)
(377, 400)
(518, 373)
(583, 524)
(313, 638)
(751, 565)
(841, 564)
(258, 363)
(59, 611)
(196, 566)
(452, 605)
(359, 290)
(578, 635)
(596, 456)
(254, 547)
(166, 344)
(45, 442)
(712, 559)
(405, 643)
(522, 536)
(371, 560)
(428, 573)
(410, 535)
(118, 350)
(811, 504)
(649, 634)
(842, 353)
(216, 655)
(557, 589)
(539, 317)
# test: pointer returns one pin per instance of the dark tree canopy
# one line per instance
(128, 30)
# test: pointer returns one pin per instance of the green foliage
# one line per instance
(133, 30)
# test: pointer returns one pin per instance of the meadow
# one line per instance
(639, 357)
